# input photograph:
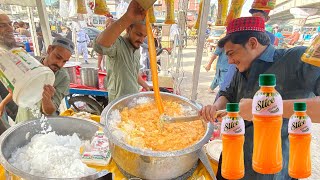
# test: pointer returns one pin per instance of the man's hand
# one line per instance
(2, 109)
(5, 101)
(149, 88)
(208, 67)
(135, 12)
(245, 107)
(48, 92)
(208, 113)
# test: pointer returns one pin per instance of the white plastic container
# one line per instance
(24, 75)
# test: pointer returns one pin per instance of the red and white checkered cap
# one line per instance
(246, 24)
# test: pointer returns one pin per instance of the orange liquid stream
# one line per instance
(153, 64)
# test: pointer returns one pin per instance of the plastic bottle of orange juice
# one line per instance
(232, 130)
(299, 129)
(267, 110)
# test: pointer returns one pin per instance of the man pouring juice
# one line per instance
(286, 80)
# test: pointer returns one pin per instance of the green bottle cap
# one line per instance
(267, 80)
(300, 106)
(232, 107)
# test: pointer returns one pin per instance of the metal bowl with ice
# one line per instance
(21, 134)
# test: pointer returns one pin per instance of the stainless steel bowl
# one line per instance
(89, 76)
(15, 137)
(148, 164)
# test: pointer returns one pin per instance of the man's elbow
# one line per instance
(102, 41)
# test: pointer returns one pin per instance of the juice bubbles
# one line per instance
(232, 130)
(299, 129)
(267, 110)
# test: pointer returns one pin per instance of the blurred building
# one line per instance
(281, 14)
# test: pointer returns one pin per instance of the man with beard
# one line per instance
(7, 42)
(57, 55)
(123, 52)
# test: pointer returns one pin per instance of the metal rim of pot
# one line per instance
(146, 152)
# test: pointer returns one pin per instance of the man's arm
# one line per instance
(48, 106)
(313, 105)
(208, 66)
(142, 83)
(4, 102)
(208, 112)
(134, 13)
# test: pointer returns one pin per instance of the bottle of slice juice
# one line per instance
(267, 110)
(299, 129)
(232, 130)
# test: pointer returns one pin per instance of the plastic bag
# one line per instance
(81, 7)
(263, 4)
(121, 9)
(234, 11)
(152, 18)
(222, 12)
(63, 10)
(170, 12)
(312, 54)
(196, 26)
(72, 9)
(101, 7)
(96, 153)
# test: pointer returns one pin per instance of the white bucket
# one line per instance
(24, 75)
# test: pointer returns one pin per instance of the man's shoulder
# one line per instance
(290, 55)
(295, 50)
(62, 75)
(39, 58)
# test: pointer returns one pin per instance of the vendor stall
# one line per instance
(189, 161)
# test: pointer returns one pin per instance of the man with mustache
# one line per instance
(57, 55)
(7, 42)
(123, 52)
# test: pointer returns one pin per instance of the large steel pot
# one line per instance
(15, 137)
(148, 164)
(71, 68)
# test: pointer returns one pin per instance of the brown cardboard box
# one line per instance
(165, 81)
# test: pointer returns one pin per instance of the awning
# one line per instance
(30, 3)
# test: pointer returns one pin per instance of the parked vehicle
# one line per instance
(92, 32)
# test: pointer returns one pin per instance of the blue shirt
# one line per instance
(222, 63)
(295, 80)
(272, 37)
(279, 36)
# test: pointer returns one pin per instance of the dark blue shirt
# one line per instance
(295, 80)
(272, 37)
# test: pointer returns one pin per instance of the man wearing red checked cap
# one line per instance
(248, 48)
